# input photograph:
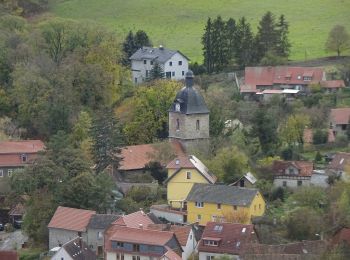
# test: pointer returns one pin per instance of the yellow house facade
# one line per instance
(221, 203)
(183, 173)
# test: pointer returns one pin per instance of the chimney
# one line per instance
(189, 79)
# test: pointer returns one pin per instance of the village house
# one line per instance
(288, 81)
(173, 63)
(76, 249)
(130, 243)
(67, 224)
(292, 174)
(184, 234)
(95, 231)
(339, 120)
(248, 180)
(225, 239)
(341, 238)
(183, 173)
(136, 219)
(340, 166)
(16, 155)
(220, 203)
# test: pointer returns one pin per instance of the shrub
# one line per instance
(320, 136)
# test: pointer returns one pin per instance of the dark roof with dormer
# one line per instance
(190, 100)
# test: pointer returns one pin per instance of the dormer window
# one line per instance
(291, 171)
(211, 243)
(307, 78)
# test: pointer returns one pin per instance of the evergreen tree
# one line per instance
(230, 31)
(219, 45)
(106, 140)
(207, 46)
(128, 47)
(141, 39)
(156, 72)
(267, 35)
(283, 45)
(244, 43)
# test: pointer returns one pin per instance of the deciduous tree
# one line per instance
(338, 40)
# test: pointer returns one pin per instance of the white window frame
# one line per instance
(199, 204)
(9, 172)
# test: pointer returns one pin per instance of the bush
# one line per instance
(320, 136)
(278, 193)
(318, 157)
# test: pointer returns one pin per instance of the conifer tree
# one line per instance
(106, 140)
(230, 30)
(128, 47)
(141, 39)
(156, 72)
(219, 45)
(207, 46)
(267, 35)
(283, 45)
(244, 43)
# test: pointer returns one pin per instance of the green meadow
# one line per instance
(179, 24)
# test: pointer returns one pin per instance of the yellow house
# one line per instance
(183, 173)
(221, 203)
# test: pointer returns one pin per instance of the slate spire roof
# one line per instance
(189, 99)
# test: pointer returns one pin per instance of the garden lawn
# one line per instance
(179, 24)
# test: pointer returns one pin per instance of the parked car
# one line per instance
(2, 227)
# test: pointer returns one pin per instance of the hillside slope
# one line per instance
(179, 24)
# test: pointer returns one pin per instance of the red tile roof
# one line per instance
(305, 168)
(268, 76)
(340, 116)
(134, 220)
(171, 255)
(8, 255)
(342, 236)
(232, 238)
(181, 232)
(136, 235)
(333, 84)
(71, 219)
(11, 151)
(137, 156)
(23, 146)
(339, 161)
(17, 210)
(308, 136)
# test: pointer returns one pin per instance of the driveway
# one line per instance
(13, 240)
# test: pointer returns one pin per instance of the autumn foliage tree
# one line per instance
(338, 40)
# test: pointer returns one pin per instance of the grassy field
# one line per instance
(179, 24)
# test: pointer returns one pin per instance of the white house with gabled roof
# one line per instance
(173, 63)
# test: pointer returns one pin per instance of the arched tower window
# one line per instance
(177, 124)
(197, 125)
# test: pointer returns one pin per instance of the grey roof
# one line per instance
(229, 195)
(191, 102)
(161, 55)
(79, 250)
(101, 221)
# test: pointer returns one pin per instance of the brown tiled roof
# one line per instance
(343, 235)
(23, 146)
(181, 232)
(232, 238)
(137, 156)
(190, 162)
(17, 210)
(308, 136)
(11, 151)
(339, 161)
(268, 76)
(71, 219)
(333, 84)
(171, 255)
(137, 235)
(340, 116)
(134, 220)
(8, 255)
(305, 168)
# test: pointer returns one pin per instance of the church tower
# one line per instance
(189, 117)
